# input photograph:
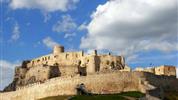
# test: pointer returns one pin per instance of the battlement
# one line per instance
(62, 58)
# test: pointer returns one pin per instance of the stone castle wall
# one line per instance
(99, 83)
(166, 70)
(93, 62)
(61, 58)
(113, 82)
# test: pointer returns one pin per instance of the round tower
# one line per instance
(58, 49)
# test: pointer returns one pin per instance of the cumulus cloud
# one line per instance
(49, 42)
(6, 72)
(130, 26)
(16, 32)
(153, 59)
(66, 25)
(83, 26)
(44, 5)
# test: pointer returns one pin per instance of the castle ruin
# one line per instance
(60, 72)
(67, 64)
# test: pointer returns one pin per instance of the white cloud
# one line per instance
(66, 25)
(154, 60)
(44, 5)
(132, 58)
(6, 72)
(130, 26)
(83, 26)
(68, 35)
(49, 42)
(16, 32)
(7, 64)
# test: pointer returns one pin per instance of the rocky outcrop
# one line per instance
(10, 87)
(23, 76)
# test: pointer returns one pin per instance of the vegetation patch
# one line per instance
(171, 96)
(119, 96)
(135, 94)
(98, 97)
(65, 97)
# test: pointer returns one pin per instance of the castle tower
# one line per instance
(58, 49)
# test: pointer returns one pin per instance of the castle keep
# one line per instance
(90, 62)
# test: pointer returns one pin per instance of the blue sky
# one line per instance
(143, 31)
(33, 30)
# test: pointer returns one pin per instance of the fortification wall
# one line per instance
(99, 83)
(46, 59)
(104, 83)
(68, 70)
(64, 58)
(167, 70)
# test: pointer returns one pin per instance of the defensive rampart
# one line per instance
(103, 83)
(98, 83)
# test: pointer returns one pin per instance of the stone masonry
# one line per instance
(60, 63)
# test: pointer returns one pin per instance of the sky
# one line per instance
(145, 32)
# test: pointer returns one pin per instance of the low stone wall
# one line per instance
(99, 83)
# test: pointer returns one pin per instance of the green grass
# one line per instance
(119, 96)
(99, 97)
(56, 98)
(134, 94)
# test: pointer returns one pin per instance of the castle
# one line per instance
(61, 63)
(60, 72)
(68, 64)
